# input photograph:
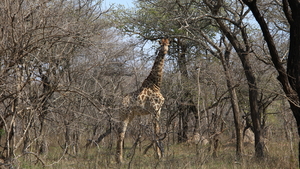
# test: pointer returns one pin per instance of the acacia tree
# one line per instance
(154, 19)
(197, 27)
(242, 47)
(290, 77)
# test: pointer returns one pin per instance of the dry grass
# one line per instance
(176, 156)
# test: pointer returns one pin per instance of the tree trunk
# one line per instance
(234, 103)
(42, 145)
(293, 64)
(183, 106)
(183, 124)
(253, 101)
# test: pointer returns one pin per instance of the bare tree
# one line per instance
(40, 43)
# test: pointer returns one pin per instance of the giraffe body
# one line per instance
(147, 100)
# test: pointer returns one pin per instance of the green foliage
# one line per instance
(2, 132)
(152, 19)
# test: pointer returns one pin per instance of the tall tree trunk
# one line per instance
(253, 101)
(183, 107)
(42, 145)
(293, 64)
(15, 109)
(234, 102)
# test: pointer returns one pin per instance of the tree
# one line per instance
(189, 27)
(289, 78)
(154, 19)
(40, 40)
(193, 27)
(239, 40)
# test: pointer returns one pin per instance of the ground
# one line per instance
(185, 155)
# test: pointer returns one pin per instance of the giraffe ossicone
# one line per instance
(146, 100)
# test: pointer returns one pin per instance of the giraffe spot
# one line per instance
(148, 92)
(142, 97)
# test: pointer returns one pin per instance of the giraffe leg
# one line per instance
(120, 142)
(157, 145)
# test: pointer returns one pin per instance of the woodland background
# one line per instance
(65, 65)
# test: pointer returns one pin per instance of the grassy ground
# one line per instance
(278, 155)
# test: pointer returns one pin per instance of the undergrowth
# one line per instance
(189, 156)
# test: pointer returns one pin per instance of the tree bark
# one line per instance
(293, 64)
(253, 101)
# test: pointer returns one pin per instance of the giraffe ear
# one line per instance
(165, 42)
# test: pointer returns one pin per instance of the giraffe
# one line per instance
(146, 100)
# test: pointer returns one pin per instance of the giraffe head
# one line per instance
(165, 44)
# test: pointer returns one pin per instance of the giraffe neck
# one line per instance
(155, 77)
